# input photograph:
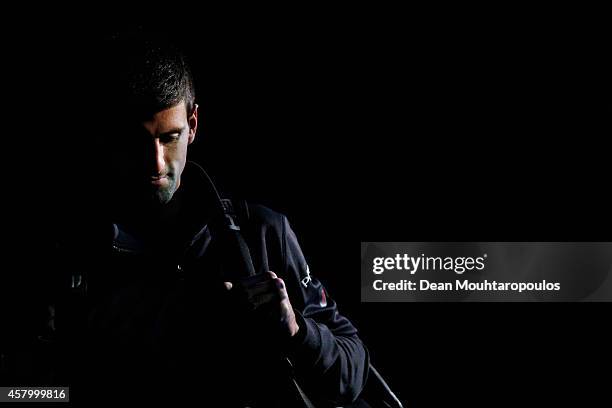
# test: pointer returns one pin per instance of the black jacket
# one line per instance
(152, 320)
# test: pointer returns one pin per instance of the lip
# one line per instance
(158, 181)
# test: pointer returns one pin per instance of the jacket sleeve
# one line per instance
(328, 357)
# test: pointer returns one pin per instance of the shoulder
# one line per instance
(266, 232)
(265, 216)
(257, 220)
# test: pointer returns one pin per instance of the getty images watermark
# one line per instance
(459, 265)
(486, 271)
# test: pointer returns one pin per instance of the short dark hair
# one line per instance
(145, 73)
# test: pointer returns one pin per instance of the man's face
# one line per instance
(149, 157)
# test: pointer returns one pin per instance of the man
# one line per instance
(157, 309)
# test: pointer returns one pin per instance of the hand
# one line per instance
(267, 293)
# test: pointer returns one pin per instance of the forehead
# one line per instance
(167, 119)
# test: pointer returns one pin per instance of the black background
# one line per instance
(381, 125)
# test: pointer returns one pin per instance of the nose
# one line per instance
(159, 162)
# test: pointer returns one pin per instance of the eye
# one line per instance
(169, 138)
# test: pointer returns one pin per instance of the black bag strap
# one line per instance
(377, 389)
(238, 256)
(237, 208)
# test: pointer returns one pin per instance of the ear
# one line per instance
(193, 124)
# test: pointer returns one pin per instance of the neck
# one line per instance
(150, 219)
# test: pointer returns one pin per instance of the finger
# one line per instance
(281, 288)
(274, 291)
(272, 275)
(228, 285)
(268, 298)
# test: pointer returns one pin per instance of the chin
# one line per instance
(163, 196)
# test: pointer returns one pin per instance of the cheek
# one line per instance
(177, 156)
